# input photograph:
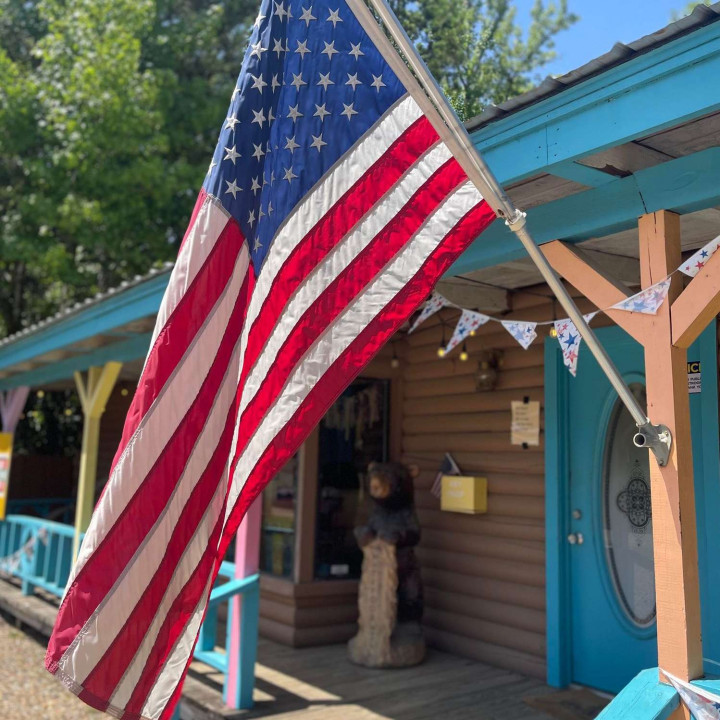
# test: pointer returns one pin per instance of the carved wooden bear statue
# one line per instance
(391, 596)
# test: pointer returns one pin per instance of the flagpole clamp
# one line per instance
(518, 221)
(657, 438)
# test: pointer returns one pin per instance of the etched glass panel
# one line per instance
(628, 516)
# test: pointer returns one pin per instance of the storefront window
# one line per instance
(277, 551)
(353, 433)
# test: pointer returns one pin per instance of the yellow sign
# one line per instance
(6, 443)
(464, 494)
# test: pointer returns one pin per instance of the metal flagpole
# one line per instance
(655, 437)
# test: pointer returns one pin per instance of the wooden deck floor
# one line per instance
(321, 684)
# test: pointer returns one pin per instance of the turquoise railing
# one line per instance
(39, 553)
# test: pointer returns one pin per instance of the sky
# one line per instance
(601, 25)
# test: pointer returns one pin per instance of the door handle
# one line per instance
(576, 538)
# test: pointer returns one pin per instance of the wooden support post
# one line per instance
(94, 394)
(677, 587)
(243, 614)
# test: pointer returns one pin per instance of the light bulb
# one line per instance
(472, 333)
(124, 392)
(553, 332)
(395, 362)
(464, 353)
(41, 393)
(441, 352)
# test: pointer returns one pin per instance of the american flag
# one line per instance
(329, 210)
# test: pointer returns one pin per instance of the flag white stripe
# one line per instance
(342, 255)
(112, 613)
(176, 663)
(163, 417)
(209, 224)
(347, 327)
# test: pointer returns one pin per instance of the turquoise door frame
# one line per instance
(706, 454)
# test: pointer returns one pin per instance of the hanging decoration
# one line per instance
(647, 301)
(469, 322)
(569, 339)
(697, 261)
(703, 704)
(523, 332)
(435, 303)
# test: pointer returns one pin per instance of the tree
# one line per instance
(476, 49)
(688, 9)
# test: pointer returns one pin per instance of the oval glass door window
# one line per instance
(628, 516)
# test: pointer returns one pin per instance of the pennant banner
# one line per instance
(523, 332)
(703, 704)
(468, 323)
(435, 303)
(648, 301)
(697, 261)
(447, 467)
(569, 339)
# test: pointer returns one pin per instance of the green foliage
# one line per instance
(476, 49)
(51, 425)
(676, 15)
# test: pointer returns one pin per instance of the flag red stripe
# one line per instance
(181, 327)
(111, 556)
(353, 359)
(323, 312)
(109, 671)
(330, 230)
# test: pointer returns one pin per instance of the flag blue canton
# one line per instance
(311, 84)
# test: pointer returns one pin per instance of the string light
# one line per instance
(40, 393)
(443, 343)
(395, 362)
(464, 353)
(553, 332)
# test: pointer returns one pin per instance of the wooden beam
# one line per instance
(94, 394)
(601, 289)
(672, 488)
(698, 304)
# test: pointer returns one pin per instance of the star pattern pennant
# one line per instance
(697, 261)
(647, 301)
(703, 704)
(435, 303)
(569, 340)
(468, 323)
(523, 332)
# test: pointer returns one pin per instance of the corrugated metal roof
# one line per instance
(702, 15)
(85, 304)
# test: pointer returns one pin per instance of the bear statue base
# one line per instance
(381, 642)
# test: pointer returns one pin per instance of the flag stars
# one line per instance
(294, 113)
(271, 117)
(355, 51)
(232, 187)
(307, 16)
(258, 82)
(257, 49)
(297, 81)
(377, 82)
(232, 154)
(289, 175)
(325, 80)
(329, 49)
(317, 142)
(213, 164)
(258, 245)
(321, 112)
(278, 47)
(259, 19)
(231, 122)
(353, 80)
(349, 111)
(271, 209)
(258, 151)
(280, 10)
(290, 144)
(258, 117)
(334, 17)
(275, 83)
(302, 48)
(251, 218)
(255, 185)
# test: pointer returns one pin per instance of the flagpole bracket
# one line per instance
(657, 438)
(518, 221)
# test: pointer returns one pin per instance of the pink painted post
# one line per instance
(12, 403)
(242, 650)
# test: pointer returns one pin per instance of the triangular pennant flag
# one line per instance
(569, 339)
(435, 303)
(469, 322)
(696, 262)
(703, 704)
(523, 332)
(447, 467)
(647, 301)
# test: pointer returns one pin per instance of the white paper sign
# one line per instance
(525, 424)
